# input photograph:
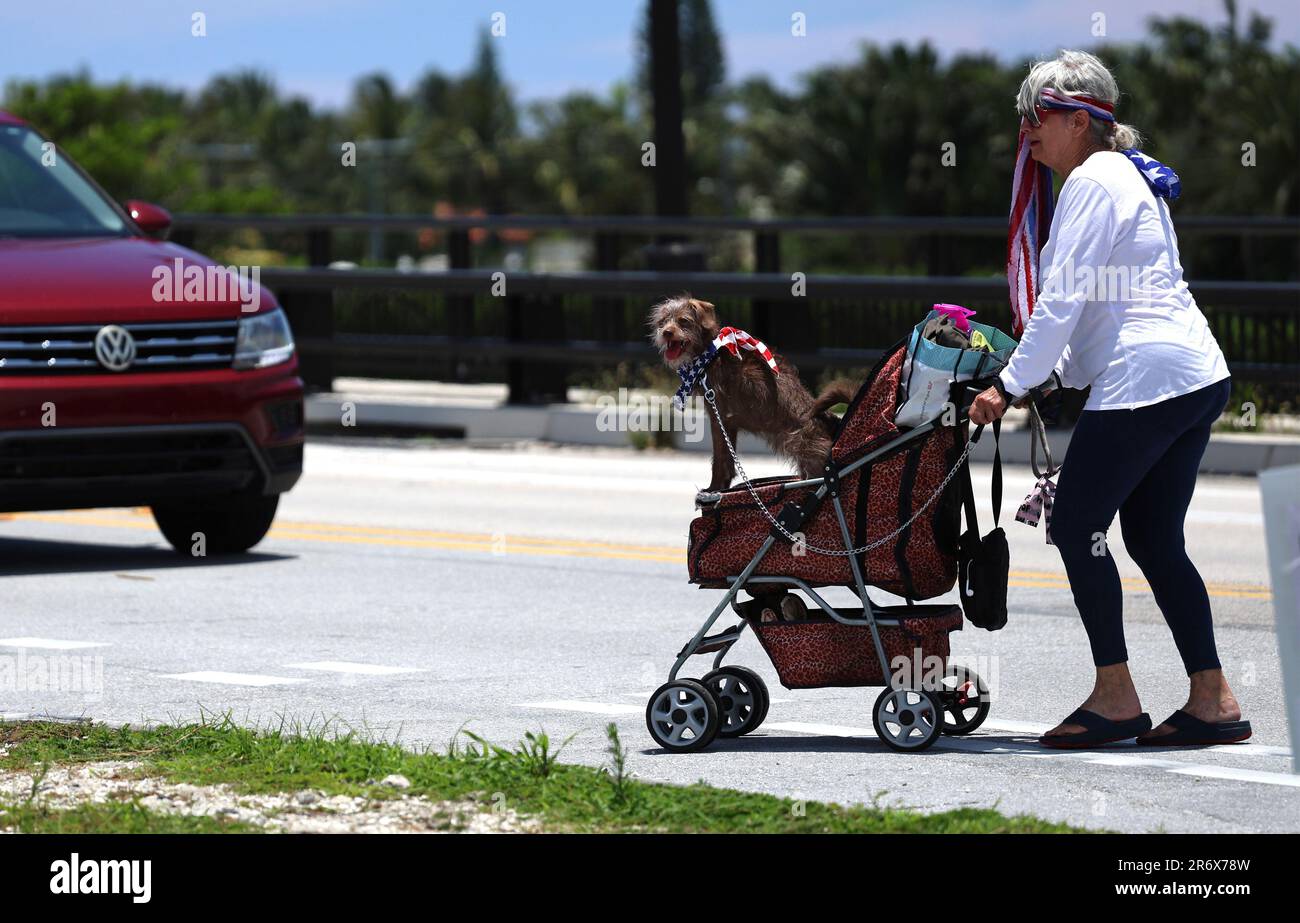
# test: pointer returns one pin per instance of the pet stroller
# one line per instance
(885, 513)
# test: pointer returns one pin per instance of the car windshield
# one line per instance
(43, 195)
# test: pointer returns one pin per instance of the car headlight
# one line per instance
(264, 339)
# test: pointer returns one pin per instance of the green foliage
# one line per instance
(619, 777)
(325, 756)
(860, 138)
(534, 754)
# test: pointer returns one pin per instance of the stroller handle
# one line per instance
(1038, 433)
(972, 388)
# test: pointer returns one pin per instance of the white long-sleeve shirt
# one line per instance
(1114, 311)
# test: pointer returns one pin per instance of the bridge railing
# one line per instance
(531, 330)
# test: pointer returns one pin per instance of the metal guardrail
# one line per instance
(1262, 296)
(642, 224)
(1261, 319)
(524, 349)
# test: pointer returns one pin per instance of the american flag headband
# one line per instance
(732, 338)
(1164, 182)
(1054, 99)
(1032, 206)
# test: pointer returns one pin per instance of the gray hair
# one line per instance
(1079, 72)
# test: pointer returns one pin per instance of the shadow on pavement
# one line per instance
(27, 556)
(778, 742)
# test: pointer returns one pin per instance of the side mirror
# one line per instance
(154, 220)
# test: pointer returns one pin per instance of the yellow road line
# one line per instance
(508, 543)
(483, 536)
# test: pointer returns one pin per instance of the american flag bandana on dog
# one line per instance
(734, 339)
(1032, 205)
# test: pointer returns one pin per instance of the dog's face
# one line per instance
(682, 328)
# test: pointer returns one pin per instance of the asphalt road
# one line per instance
(411, 591)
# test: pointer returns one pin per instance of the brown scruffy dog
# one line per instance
(749, 396)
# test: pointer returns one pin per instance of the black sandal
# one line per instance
(1190, 731)
(1099, 730)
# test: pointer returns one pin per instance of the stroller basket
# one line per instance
(822, 652)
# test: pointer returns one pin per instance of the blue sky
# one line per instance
(318, 47)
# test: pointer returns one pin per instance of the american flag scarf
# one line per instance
(734, 339)
(1032, 204)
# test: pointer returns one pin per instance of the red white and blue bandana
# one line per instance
(1032, 204)
(734, 339)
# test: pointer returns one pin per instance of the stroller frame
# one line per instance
(743, 579)
(907, 717)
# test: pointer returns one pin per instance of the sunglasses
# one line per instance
(1036, 117)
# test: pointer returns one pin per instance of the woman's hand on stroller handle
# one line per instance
(987, 406)
(984, 400)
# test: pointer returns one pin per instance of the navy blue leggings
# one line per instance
(1141, 463)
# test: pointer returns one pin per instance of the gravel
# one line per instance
(306, 811)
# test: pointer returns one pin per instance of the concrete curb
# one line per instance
(596, 425)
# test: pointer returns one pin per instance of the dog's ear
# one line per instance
(708, 317)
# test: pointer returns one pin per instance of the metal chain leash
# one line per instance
(832, 552)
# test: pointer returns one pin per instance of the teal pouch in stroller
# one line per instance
(930, 369)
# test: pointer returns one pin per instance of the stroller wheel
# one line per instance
(965, 700)
(907, 719)
(742, 699)
(683, 716)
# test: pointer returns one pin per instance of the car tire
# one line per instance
(229, 525)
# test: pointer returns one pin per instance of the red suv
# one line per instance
(134, 372)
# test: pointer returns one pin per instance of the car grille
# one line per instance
(133, 466)
(45, 455)
(160, 347)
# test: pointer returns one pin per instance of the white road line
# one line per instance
(346, 666)
(1252, 749)
(1240, 775)
(1111, 757)
(233, 679)
(594, 708)
(1037, 730)
(1029, 728)
(1105, 757)
(1204, 770)
(53, 644)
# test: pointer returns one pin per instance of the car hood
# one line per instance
(107, 280)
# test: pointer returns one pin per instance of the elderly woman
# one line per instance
(1113, 312)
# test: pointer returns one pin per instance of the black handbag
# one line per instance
(984, 564)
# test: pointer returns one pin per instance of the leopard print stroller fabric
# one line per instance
(920, 563)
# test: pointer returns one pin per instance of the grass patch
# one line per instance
(111, 817)
(528, 780)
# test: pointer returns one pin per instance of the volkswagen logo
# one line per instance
(115, 348)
